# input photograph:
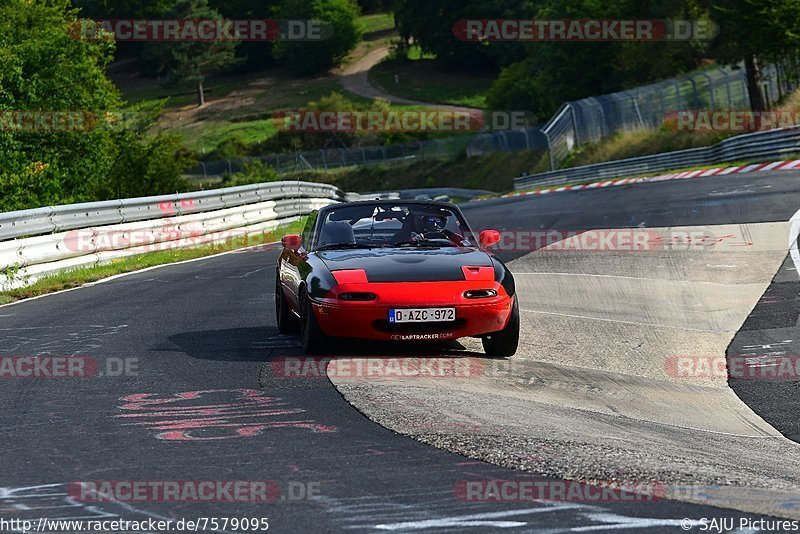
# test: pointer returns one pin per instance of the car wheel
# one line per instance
(287, 322)
(503, 344)
(312, 337)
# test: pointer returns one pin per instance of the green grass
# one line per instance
(136, 88)
(247, 119)
(379, 33)
(238, 106)
(79, 277)
(244, 114)
(422, 78)
(415, 53)
(377, 23)
(203, 137)
(641, 143)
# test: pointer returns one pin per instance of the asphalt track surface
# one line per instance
(204, 402)
(770, 332)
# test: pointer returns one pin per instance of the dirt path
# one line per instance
(355, 79)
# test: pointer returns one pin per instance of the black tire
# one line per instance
(503, 344)
(287, 321)
(312, 337)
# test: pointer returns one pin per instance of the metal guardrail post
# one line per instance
(710, 89)
(695, 95)
(638, 114)
(727, 87)
(550, 151)
(745, 93)
(574, 125)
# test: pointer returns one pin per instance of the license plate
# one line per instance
(422, 315)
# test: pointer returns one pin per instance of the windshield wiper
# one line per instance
(332, 246)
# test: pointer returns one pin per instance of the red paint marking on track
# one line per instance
(243, 413)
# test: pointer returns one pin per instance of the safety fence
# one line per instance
(769, 145)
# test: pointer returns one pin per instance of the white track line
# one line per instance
(793, 233)
(122, 275)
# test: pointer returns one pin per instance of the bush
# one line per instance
(314, 57)
(255, 172)
(47, 67)
(148, 166)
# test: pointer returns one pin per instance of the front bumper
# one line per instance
(369, 320)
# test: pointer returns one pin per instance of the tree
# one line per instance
(116, 9)
(46, 69)
(558, 71)
(191, 61)
(254, 55)
(429, 24)
(144, 163)
(315, 57)
(755, 31)
(49, 71)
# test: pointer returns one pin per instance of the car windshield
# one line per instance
(387, 225)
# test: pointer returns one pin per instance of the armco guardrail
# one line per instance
(58, 218)
(772, 144)
(82, 235)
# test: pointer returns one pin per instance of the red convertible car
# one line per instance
(395, 271)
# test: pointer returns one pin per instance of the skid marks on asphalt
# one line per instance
(53, 501)
(56, 340)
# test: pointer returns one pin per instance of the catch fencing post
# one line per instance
(574, 124)
(727, 88)
(710, 90)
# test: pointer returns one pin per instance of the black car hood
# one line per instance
(407, 264)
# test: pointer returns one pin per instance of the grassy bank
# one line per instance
(494, 172)
(636, 144)
(422, 78)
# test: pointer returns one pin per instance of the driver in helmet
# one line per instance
(431, 224)
(418, 227)
(434, 227)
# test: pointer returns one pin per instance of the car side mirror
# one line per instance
(292, 242)
(489, 238)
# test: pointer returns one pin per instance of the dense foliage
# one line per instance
(45, 69)
(301, 57)
(539, 76)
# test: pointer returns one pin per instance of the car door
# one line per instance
(294, 264)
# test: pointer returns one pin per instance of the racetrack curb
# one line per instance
(700, 173)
